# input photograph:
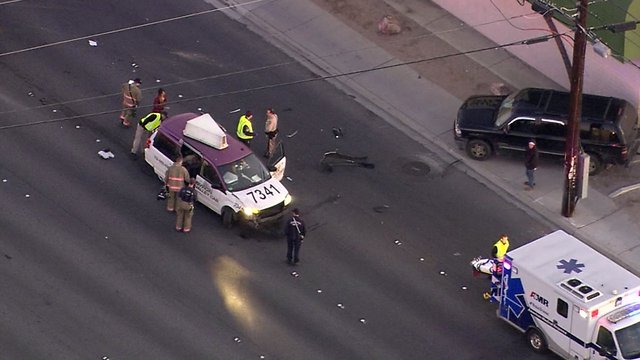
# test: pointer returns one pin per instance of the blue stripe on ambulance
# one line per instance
(513, 307)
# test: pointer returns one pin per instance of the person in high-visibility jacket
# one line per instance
(145, 126)
(244, 132)
(174, 179)
(131, 97)
(500, 248)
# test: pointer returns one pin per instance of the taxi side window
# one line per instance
(193, 163)
(166, 146)
(209, 173)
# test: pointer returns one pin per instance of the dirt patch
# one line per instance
(458, 75)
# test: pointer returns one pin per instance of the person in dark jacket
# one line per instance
(187, 198)
(295, 231)
(531, 164)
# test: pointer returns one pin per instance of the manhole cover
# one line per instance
(416, 168)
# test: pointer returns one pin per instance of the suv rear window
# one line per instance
(600, 133)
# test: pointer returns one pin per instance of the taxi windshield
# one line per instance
(244, 173)
(629, 341)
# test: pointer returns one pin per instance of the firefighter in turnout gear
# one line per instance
(187, 197)
(131, 97)
(174, 179)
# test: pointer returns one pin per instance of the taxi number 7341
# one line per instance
(261, 194)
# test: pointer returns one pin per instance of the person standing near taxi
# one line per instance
(131, 97)
(187, 197)
(175, 178)
(145, 126)
(295, 232)
(159, 103)
(271, 130)
(244, 132)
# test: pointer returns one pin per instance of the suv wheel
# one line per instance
(478, 149)
(595, 164)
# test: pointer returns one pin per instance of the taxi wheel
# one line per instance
(227, 218)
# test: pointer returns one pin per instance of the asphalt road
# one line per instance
(90, 266)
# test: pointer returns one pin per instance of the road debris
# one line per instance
(290, 135)
(389, 25)
(381, 209)
(331, 159)
(106, 154)
(93, 43)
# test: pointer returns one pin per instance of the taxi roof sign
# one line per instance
(206, 130)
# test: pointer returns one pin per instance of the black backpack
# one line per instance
(187, 194)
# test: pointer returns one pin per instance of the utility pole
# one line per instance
(572, 146)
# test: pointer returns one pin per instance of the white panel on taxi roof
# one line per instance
(206, 130)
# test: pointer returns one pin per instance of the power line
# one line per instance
(299, 82)
(134, 27)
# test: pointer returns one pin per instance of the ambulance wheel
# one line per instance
(227, 217)
(536, 340)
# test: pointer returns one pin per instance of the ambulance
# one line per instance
(568, 298)
(230, 179)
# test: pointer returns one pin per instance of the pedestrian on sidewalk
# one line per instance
(271, 131)
(531, 164)
(131, 97)
(295, 232)
(244, 131)
(174, 180)
(187, 197)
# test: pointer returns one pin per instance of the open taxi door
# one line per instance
(277, 162)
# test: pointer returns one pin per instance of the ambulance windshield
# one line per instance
(244, 173)
(629, 341)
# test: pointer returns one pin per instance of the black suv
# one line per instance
(608, 127)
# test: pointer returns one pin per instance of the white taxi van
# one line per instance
(230, 179)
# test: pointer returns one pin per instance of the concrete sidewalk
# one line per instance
(328, 46)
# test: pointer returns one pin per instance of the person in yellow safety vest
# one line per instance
(146, 125)
(131, 97)
(174, 179)
(500, 248)
(244, 131)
